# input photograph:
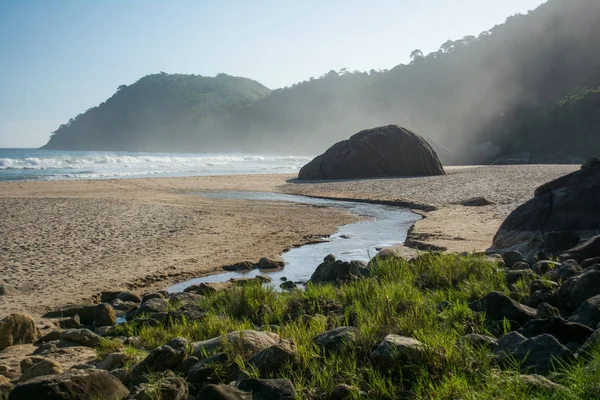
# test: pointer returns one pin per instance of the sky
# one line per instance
(58, 58)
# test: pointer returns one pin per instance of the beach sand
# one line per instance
(65, 241)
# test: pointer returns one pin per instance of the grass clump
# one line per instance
(425, 299)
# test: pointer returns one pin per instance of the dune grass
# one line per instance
(426, 299)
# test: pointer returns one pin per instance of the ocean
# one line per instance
(35, 164)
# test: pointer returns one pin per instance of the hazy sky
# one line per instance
(60, 57)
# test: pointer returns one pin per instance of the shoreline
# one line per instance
(154, 233)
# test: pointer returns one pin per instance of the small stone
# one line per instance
(545, 310)
(329, 258)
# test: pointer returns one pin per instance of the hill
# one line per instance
(503, 88)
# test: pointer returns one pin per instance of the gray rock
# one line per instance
(84, 337)
(85, 312)
(74, 384)
(506, 344)
(269, 389)
(70, 323)
(545, 310)
(513, 276)
(345, 392)
(129, 296)
(539, 354)
(202, 371)
(223, 392)
(512, 257)
(337, 271)
(273, 358)
(519, 266)
(400, 349)
(188, 312)
(113, 361)
(589, 346)
(42, 368)
(266, 263)
(565, 332)
(152, 306)
(168, 356)
(329, 258)
(479, 340)
(124, 306)
(18, 329)
(169, 388)
(497, 306)
(156, 295)
(104, 315)
(542, 291)
(588, 262)
(588, 312)
(540, 383)
(542, 267)
(185, 298)
(337, 339)
(248, 342)
(374, 153)
(29, 362)
(574, 291)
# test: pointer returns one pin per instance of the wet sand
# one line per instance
(64, 241)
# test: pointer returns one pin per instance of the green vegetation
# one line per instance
(400, 297)
(503, 86)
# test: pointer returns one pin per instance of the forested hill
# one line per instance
(529, 86)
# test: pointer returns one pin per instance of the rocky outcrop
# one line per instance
(566, 208)
(17, 329)
(380, 152)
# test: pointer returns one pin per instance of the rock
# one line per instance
(541, 267)
(512, 257)
(288, 285)
(185, 298)
(150, 296)
(273, 358)
(124, 306)
(42, 368)
(265, 263)
(513, 276)
(395, 349)
(223, 392)
(476, 202)
(558, 242)
(167, 356)
(208, 288)
(74, 384)
(506, 344)
(29, 362)
(578, 289)
(104, 315)
(109, 296)
(589, 248)
(479, 340)
(248, 343)
(152, 306)
(337, 339)
(566, 204)
(545, 310)
(542, 291)
(565, 271)
(241, 266)
(520, 266)
(591, 162)
(113, 361)
(539, 354)
(588, 262)
(344, 392)
(122, 374)
(188, 312)
(5, 388)
(379, 152)
(588, 312)
(203, 371)
(85, 312)
(329, 258)
(128, 296)
(169, 388)
(269, 389)
(337, 271)
(70, 323)
(590, 345)
(565, 332)
(84, 337)
(498, 306)
(18, 329)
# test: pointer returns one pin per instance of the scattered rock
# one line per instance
(74, 384)
(150, 296)
(337, 339)
(42, 368)
(5, 388)
(497, 306)
(476, 202)
(168, 356)
(265, 263)
(70, 323)
(479, 340)
(545, 310)
(269, 389)
(241, 266)
(512, 257)
(124, 306)
(208, 288)
(337, 271)
(590, 345)
(223, 392)
(578, 289)
(565, 332)
(18, 329)
(375, 153)
(84, 337)
(128, 296)
(539, 354)
(169, 388)
(248, 342)
(85, 312)
(542, 291)
(153, 306)
(396, 348)
(588, 312)
(329, 258)
(288, 285)
(273, 358)
(513, 276)
(104, 315)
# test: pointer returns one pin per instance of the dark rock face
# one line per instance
(561, 211)
(90, 384)
(588, 313)
(498, 306)
(565, 332)
(574, 291)
(539, 354)
(372, 153)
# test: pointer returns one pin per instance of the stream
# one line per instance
(384, 226)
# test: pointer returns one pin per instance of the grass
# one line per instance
(400, 297)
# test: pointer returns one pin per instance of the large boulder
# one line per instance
(372, 153)
(566, 207)
(17, 329)
(75, 384)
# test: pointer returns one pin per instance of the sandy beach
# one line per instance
(65, 241)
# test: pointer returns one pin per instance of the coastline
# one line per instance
(64, 241)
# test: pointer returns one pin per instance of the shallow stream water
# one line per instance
(384, 226)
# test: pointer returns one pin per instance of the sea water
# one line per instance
(34, 164)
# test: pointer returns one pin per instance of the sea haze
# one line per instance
(34, 164)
